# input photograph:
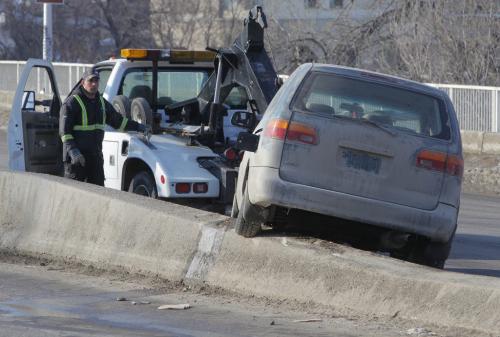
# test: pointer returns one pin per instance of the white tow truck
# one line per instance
(165, 166)
(191, 108)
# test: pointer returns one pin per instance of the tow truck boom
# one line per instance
(245, 64)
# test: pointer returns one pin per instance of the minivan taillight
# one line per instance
(299, 132)
(455, 166)
(440, 161)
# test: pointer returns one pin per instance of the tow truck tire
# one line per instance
(249, 220)
(143, 184)
(121, 104)
(141, 112)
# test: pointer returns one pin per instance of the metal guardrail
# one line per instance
(477, 107)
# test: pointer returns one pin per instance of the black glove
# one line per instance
(76, 157)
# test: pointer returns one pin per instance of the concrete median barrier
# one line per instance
(55, 216)
(355, 282)
(49, 215)
(472, 141)
(491, 143)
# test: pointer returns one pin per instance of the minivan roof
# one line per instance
(379, 77)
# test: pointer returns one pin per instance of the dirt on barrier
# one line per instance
(482, 174)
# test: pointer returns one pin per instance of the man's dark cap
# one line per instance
(90, 74)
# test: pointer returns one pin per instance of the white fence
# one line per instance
(67, 74)
(477, 107)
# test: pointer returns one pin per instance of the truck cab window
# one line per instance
(104, 76)
(173, 85)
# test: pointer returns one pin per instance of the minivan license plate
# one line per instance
(361, 161)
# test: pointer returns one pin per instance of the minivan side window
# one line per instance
(330, 94)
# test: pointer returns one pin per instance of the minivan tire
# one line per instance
(249, 219)
(425, 252)
(434, 254)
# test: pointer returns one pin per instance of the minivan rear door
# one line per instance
(363, 138)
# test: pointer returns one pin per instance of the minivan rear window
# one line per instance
(330, 94)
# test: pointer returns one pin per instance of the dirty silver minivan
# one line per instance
(360, 146)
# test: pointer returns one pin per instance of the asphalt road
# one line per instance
(40, 301)
(476, 248)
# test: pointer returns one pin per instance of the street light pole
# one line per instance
(47, 32)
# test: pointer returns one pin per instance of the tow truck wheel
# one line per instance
(121, 104)
(143, 184)
(141, 112)
(250, 219)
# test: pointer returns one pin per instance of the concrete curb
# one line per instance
(49, 215)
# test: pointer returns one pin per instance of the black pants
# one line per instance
(92, 172)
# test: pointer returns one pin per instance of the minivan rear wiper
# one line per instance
(364, 120)
(380, 126)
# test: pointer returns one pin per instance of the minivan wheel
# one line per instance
(143, 184)
(425, 252)
(249, 219)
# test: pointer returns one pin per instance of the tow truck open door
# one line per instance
(33, 134)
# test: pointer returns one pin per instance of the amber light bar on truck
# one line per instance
(172, 55)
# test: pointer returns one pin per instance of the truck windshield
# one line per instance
(174, 85)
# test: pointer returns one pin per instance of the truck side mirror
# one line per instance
(243, 119)
(28, 100)
(247, 142)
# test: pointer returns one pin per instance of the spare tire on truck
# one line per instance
(121, 104)
(141, 112)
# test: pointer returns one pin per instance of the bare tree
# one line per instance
(196, 24)
(452, 41)
(92, 30)
(182, 24)
(445, 41)
(24, 23)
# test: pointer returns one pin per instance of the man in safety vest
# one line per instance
(83, 118)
